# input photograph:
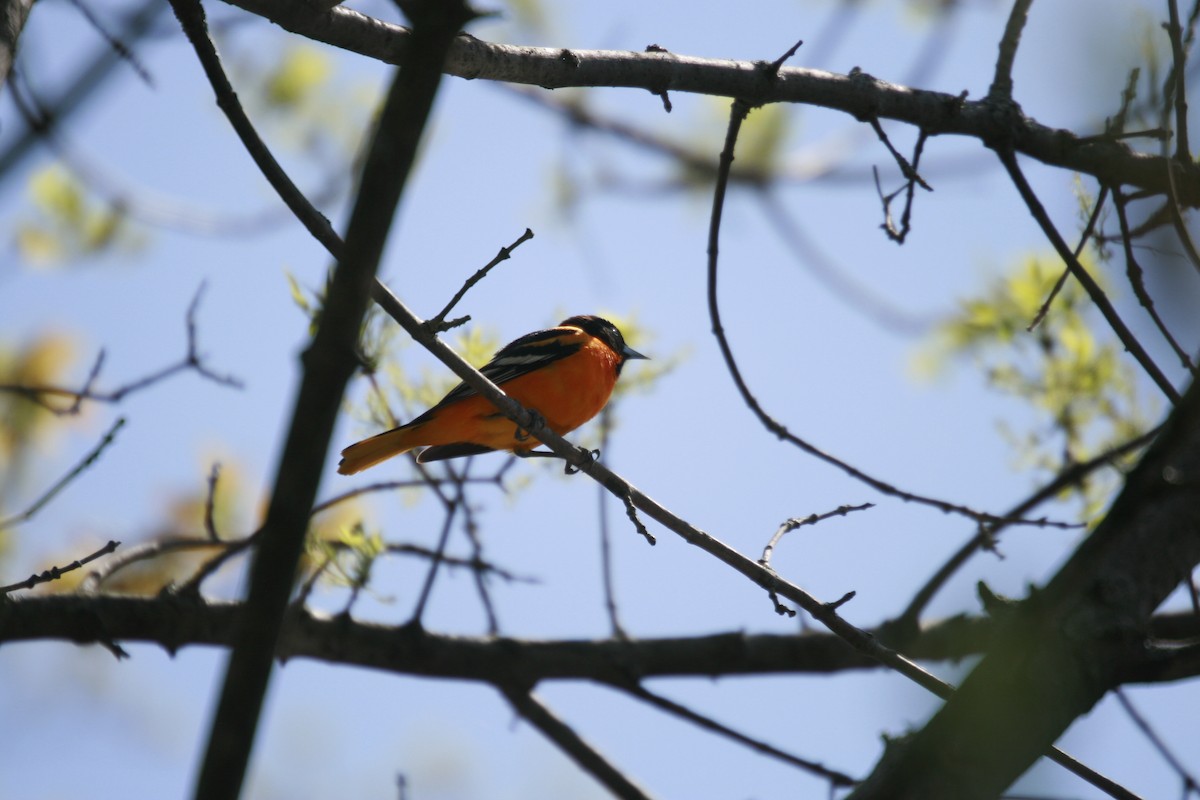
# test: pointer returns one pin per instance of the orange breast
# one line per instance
(567, 394)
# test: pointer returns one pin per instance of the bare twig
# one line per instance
(1190, 784)
(471, 528)
(62, 482)
(908, 170)
(1133, 269)
(1178, 72)
(435, 563)
(159, 547)
(210, 502)
(811, 519)
(425, 482)
(738, 112)
(986, 535)
(1001, 89)
(912, 179)
(1009, 160)
(438, 323)
(827, 613)
(571, 743)
(54, 573)
(1062, 279)
(80, 88)
(192, 360)
(606, 559)
(836, 779)
(123, 51)
(631, 512)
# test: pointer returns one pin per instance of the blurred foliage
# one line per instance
(345, 556)
(180, 535)
(1069, 369)
(297, 77)
(42, 362)
(24, 425)
(67, 223)
(296, 91)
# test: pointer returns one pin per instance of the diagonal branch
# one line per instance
(1069, 477)
(62, 482)
(1105, 306)
(564, 736)
(1057, 654)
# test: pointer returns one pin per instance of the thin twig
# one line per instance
(154, 549)
(471, 528)
(796, 522)
(436, 562)
(426, 482)
(210, 502)
(193, 360)
(986, 536)
(62, 482)
(1189, 781)
(438, 323)
(738, 112)
(827, 613)
(1009, 160)
(909, 171)
(631, 512)
(1178, 72)
(572, 744)
(54, 573)
(1133, 269)
(606, 559)
(1062, 279)
(1002, 80)
(836, 779)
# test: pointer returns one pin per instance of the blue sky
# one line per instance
(490, 169)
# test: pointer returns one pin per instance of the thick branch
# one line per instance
(857, 94)
(1065, 647)
(174, 622)
(328, 364)
(13, 14)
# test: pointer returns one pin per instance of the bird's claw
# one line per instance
(588, 458)
(536, 421)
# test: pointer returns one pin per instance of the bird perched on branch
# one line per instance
(566, 374)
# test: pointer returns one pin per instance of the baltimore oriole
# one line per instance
(566, 374)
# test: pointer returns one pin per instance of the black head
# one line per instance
(606, 332)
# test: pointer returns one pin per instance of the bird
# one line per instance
(566, 374)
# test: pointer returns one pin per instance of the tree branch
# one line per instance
(566, 739)
(1061, 650)
(328, 364)
(174, 621)
(860, 95)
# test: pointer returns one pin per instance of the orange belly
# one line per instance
(569, 394)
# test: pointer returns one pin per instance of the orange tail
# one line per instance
(370, 452)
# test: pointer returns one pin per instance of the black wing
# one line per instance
(520, 357)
